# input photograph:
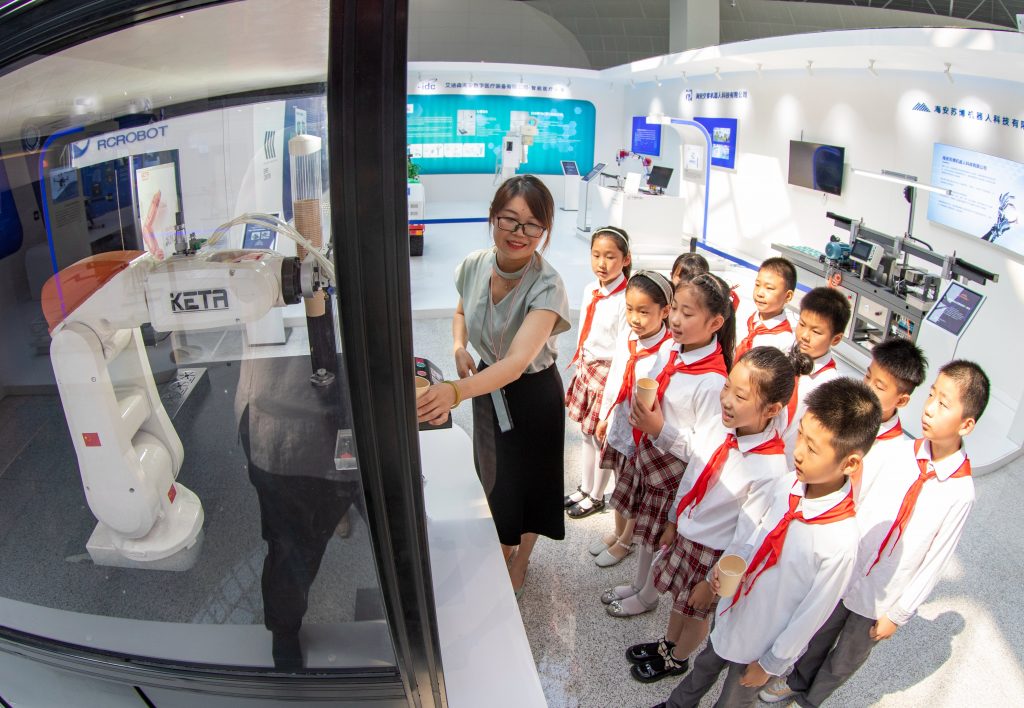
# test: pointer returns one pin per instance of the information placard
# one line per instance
(723, 140)
(646, 137)
(955, 308)
(985, 190)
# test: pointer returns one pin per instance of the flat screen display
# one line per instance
(593, 173)
(659, 177)
(983, 202)
(569, 168)
(955, 308)
(816, 166)
(723, 140)
(646, 137)
(257, 236)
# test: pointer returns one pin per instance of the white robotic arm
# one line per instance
(128, 452)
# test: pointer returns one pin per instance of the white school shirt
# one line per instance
(690, 399)
(737, 499)
(782, 340)
(808, 383)
(901, 581)
(609, 320)
(792, 599)
(877, 457)
(620, 432)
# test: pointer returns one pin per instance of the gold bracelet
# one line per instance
(458, 394)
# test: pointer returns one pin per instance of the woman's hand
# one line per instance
(647, 421)
(434, 405)
(464, 363)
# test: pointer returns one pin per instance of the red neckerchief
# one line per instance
(589, 319)
(695, 496)
(795, 398)
(906, 511)
(629, 377)
(892, 433)
(771, 547)
(747, 343)
(713, 363)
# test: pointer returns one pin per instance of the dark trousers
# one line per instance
(298, 515)
(834, 654)
(706, 668)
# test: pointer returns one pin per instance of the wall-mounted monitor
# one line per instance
(646, 137)
(816, 166)
(723, 132)
(987, 195)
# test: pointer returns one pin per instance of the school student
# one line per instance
(802, 554)
(897, 368)
(648, 295)
(703, 326)
(911, 520)
(688, 266)
(824, 314)
(739, 458)
(774, 287)
(602, 321)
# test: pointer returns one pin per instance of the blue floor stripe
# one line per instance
(740, 261)
(469, 220)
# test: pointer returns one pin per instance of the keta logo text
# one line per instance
(199, 300)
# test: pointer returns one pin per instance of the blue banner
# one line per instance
(461, 134)
(646, 137)
(723, 140)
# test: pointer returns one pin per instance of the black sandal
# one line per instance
(568, 501)
(658, 668)
(639, 653)
(578, 512)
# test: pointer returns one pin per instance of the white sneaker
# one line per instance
(776, 691)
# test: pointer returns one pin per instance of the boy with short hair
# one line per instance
(824, 314)
(801, 556)
(768, 326)
(897, 368)
(911, 520)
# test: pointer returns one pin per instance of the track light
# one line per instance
(685, 80)
(568, 83)
(759, 69)
(871, 67)
(657, 80)
(947, 72)
(718, 74)
(810, 71)
(632, 83)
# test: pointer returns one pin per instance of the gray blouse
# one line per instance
(493, 327)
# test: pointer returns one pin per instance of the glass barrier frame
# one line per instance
(366, 103)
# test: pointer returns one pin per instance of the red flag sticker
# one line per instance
(172, 492)
(91, 439)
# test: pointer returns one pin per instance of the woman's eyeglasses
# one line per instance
(507, 223)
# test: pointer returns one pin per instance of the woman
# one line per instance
(512, 306)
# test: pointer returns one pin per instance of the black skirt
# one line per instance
(522, 470)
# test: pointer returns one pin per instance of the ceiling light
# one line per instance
(871, 67)
(759, 69)
(718, 74)
(632, 83)
(810, 71)
(948, 74)
(905, 180)
(657, 80)
(685, 80)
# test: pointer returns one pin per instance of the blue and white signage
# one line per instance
(646, 137)
(987, 195)
(723, 140)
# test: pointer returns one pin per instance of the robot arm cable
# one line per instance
(279, 226)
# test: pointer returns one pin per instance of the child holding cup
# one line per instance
(735, 462)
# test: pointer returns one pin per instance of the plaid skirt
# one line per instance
(627, 481)
(583, 400)
(645, 488)
(680, 569)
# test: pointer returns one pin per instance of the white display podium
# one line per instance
(654, 223)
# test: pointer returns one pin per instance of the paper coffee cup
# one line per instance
(647, 392)
(421, 386)
(730, 571)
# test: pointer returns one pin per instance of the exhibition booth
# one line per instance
(206, 292)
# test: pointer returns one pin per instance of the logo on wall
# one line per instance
(79, 149)
(717, 95)
(689, 94)
(979, 116)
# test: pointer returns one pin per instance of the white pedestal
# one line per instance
(570, 193)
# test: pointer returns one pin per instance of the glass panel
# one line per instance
(177, 472)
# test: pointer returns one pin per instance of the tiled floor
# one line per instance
(965, 648)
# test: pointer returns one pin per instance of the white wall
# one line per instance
(873, 118)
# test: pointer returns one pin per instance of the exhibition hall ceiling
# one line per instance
(614, 32)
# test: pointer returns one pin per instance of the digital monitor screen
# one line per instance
(646, 137)
(593, 173)
(569, 168)
(955, 308)
(659, 177)
(257, 236)
(816, 166)
(861, 251)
